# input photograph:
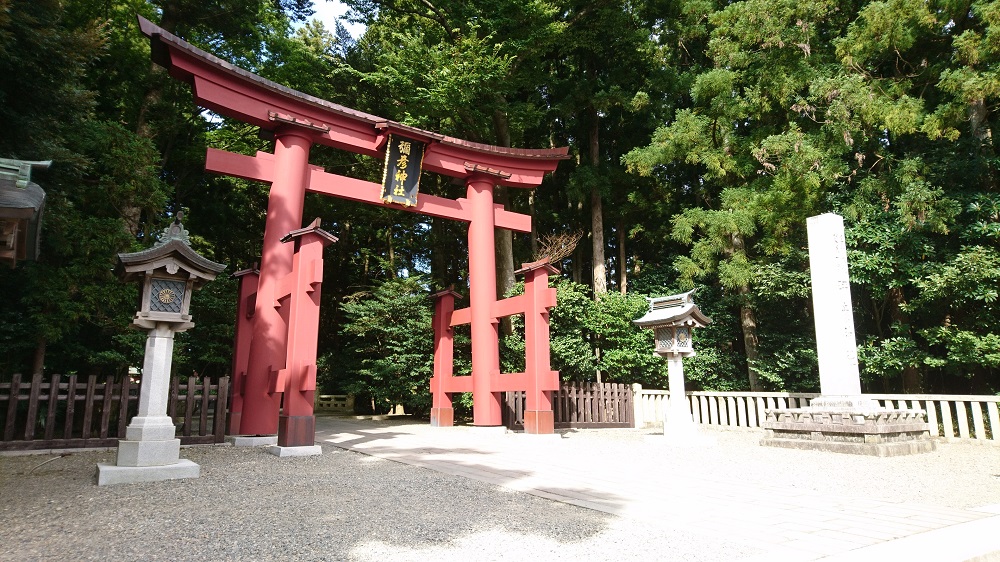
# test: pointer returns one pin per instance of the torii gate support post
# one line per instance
(270, 326)
(249, 279)
(541, 379)
(442, 410)
(299, 292)
(482, 296)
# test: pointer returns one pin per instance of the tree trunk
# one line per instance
(504, 238)
(439, 265)
(505, 260)
(912, 377)
(600, 274)
(622, 260)
(748, 322)
(597, 356)
(577, 265)
(504, 248)
(534, 225)
(38, 364)
(578, 256)
(391, 252)
(977, 121)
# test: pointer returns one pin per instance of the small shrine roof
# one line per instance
(20, 198)
(19, 202)
(540, 264)
(678, 309)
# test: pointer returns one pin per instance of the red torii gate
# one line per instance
(298, 121)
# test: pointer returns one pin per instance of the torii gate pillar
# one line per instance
(482, 295)
(270, 325)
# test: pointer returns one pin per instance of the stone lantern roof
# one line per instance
(674, 310)
(173, 252)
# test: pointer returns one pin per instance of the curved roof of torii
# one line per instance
(240, 94)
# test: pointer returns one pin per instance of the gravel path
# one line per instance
(249, 505)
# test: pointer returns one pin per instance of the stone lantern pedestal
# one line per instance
(677, 421)
(150, 451)
(170, 271)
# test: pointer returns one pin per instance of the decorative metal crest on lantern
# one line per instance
(169, 271)
(673, 319)
(401, 178)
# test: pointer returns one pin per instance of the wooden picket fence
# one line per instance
(65, 412)
(579, 405)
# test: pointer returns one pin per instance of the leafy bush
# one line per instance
(392, 345)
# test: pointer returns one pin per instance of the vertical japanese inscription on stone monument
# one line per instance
(836, 345)
(401, 179)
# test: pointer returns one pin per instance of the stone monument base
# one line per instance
(112, 474)
(869, 431)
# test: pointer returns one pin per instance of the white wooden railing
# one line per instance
(948, 416)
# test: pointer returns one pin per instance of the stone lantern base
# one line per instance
(843, 427)
(149, 453)
(111, 474)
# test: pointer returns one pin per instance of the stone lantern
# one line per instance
(673, 320)
(169, 272)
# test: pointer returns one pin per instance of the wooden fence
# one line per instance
(586, 405)
(64, 412)
(948, 416)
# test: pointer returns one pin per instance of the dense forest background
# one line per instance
(702, 133)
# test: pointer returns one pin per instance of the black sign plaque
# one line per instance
(401, 181)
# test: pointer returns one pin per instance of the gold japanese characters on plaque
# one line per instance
(401, 180)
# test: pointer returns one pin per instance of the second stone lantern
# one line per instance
(673, 320)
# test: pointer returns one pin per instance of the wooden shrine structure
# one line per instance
(266, 367)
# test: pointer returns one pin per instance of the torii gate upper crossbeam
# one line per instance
(261, 168)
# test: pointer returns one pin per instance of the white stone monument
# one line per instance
(170, 272)
(841, 419)
(836, 345)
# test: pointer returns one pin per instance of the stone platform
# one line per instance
(876, 432)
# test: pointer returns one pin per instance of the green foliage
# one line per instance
(626, 350)
(393, 346)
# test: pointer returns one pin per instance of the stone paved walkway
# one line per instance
(648, 478)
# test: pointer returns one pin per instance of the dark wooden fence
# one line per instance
(579, 405)
(69, 412)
